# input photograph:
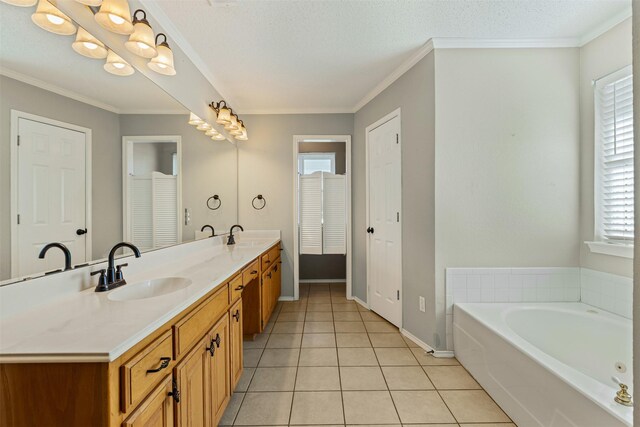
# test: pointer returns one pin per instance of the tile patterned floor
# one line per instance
(328, 361)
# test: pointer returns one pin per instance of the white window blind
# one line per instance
(614, 154)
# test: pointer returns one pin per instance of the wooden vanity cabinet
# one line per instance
(193, 380)
(235, 336)
(220, 369)
(156, 410)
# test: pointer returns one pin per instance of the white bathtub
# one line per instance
(547, 364)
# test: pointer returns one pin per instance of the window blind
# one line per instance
(614, 131)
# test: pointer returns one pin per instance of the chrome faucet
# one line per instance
(232, 240)
(63, 248)
(112, 277)
(213, 232)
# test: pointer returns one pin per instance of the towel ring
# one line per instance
(215, 197)
(259, 197)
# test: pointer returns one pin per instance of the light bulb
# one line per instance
(55, 20)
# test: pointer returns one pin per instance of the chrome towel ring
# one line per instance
(259, 197)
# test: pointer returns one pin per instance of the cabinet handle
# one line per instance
(275, 268)
(269, 275)
(217, 340)
(175, 393)
(254, 272)
(211, 349)
(236, 315)
(239, 288)
(267, 262)
(164, 362)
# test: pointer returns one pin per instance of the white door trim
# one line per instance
(15, 116)
(176, 139)
(378, 123)
(320, 138)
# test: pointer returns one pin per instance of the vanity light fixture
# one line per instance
(211, 132)
(163, 63)
(233, 123)
(93, 3)
(242, 136)
(218, 137)
(21, 3)
(141, 41)
(118, 66)
(204, 126)
(48, 17)
(195, 120)
(89, 46)
(223, 112)
(115, 16)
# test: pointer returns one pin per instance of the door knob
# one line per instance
(81, 231)
(370, 230)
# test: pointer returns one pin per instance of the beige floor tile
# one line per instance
(357, 357)
(245, 379)
(395, 357)
(318, 357)
(428, 360)
(339, 299)
(361, 307)
(353, 340)
(288, 328)
(473, 406)
(273, 379)
(370, 316)
(318, 327)
(260, 341)
(406, 378)
(434, 425)
(293, 307)
(369, 407)
(380, 327)
(375, 425)
(421, 407)
(265, 409)
(320, 300)
(317, 408)
(276, 357)
(347, 316)
(319, 316)
(410, 342)
(251, 356)
(284, 341)
(487, 425)
(296, 316)
(316, 378)
(350, 327)
(318, 307)
(451, 377)
(362, 378)
(342, 307)
(232, 409)
(269, 326)
(387, 340)
(318, 340)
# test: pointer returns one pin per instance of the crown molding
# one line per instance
(156, 112)
(259, 111)
(467, 43)
(605, 26)
(395, 75)
(56, 89)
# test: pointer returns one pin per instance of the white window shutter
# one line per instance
(334, 214)
(141, 227)
(311, 214)
(165, 209)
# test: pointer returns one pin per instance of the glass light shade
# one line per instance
(233, 123)
(211, 132)
(238, 131)
(115, 16)
(243, 136)
(195, 120)
(89, 46)
(219, 137)
(142, 42)
(93, 3)
(21, 3)
(48, 17)
(118, 66)
(224, 116)
(203, 126)
(163, 63)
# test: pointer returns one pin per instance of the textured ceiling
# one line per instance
(37, 54)
(326, 55)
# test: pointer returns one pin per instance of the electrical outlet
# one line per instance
(422, 305)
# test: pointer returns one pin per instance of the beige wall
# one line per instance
(266, 167)
(507, 161)
(607, 53)
(414, 93)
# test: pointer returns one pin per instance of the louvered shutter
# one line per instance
(311, 214)
(334, 215)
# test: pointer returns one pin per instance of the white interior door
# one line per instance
(384, 266)
(51, 195)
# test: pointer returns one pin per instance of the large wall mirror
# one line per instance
(89, 158)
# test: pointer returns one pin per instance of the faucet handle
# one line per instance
(119, 275)
(102, 280)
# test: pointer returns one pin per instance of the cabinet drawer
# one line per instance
(146, 369)
(192, 327)
(270, 257)
(250, 273)
(157, 409)
(235, 287)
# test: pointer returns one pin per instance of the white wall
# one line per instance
(507, 161)
(607, 53)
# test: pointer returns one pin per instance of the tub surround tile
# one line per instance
(607, 291)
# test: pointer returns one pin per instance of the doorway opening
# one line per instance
(322, 210)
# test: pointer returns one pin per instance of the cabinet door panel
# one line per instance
(193, 379)
(220, 369)
(156, 410)
(265, 297)
(236, 342)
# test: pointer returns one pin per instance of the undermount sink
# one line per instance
(149, 289)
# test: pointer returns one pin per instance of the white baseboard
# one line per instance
(322, 281)
(286, 298)
(425, 346)
(362, 303)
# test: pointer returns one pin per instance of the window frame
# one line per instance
(330, 155)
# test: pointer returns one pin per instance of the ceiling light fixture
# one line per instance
(89, 46)
(242, 132)
(233, 123)
(204, 126)
(115, 16)
(195, 120)
(141, 41)
(163, 63)
(21, 3)
(211, 132)
(48, 17)
(93, 3)
(117, 66)
(219, 137)
(223, 112)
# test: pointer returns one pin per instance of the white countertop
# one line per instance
(85, 326)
